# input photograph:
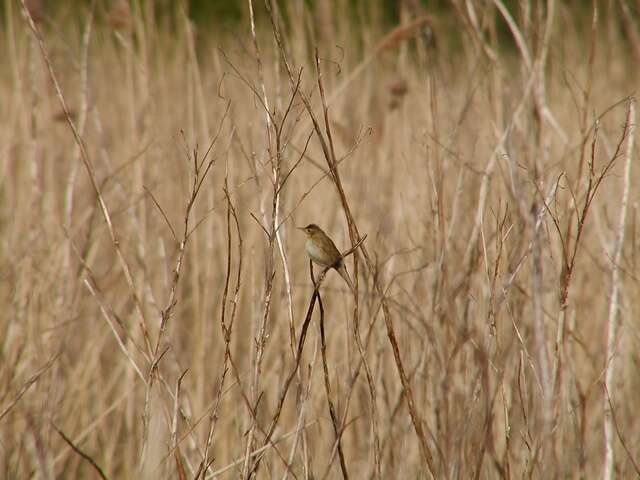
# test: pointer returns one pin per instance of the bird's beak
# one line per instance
(300, 228)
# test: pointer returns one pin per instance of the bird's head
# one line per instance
(311, 229)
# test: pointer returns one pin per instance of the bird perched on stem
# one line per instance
(324, 252)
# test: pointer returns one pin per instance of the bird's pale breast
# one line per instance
(317, 254)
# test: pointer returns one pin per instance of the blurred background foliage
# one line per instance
(229, 13)
(229, 19)
(226, 19)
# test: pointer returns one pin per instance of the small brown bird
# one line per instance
(324, 252)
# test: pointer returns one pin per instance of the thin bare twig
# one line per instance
(27, 385)
(84, 455)
(619, 433)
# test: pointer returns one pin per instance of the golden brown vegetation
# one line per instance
(158, 315)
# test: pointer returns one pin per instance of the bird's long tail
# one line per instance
(342, 270)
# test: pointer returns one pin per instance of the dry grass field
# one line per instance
(158, 317)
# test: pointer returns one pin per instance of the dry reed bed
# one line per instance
(161, 348)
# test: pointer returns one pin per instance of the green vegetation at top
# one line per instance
(234, 11)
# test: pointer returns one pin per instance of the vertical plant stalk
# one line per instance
(327, 383)
(561, 352)
(260, 332)
(614, 302)
(82, 120)
(300, 423)
(278, 182)
(175, 444)
(543, 113)
(226, 327)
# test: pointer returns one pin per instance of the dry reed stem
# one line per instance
(614, 299)
(225, 328)
(327, 383)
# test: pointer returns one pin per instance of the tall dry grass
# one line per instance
(155, 292)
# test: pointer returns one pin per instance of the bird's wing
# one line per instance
(330, 249)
